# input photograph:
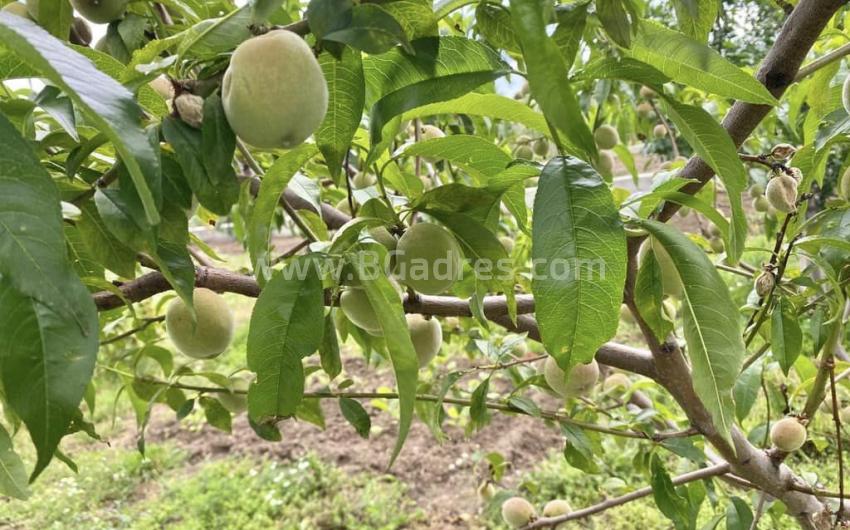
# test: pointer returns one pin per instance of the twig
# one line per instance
(163, 13)
(763, 160)
(734, 270)
(144, 325)
(291, 252)
(669, 129)
(200, 257)
(701, 474)
(820, 62)
(347, 175)
(290, 211)
(836, 418)
(545, 414)
(759, 511)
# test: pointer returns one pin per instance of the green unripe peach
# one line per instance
(616, 381)
(519, 348)
(236, 400)
(517, 512)
(581, 379)
(761, 204)
(357, 308)
(209, 334)
(100, 11)
(541, 147)
(427, 337)
(606, 137)
(507, 243)
(756, 190)
(781, 193)
(644, 110)
(668, 309)
(344, 207)
(555, 508)
(383, 236)
(274, 92)
(524, 151)
(647, 93)
(844, 185)
(451, 323)
(788, 435)
(716, 245)
(17, 8)
(363, 180)
(659, 131)
(428, 258)
(626, 314)
(486, 491)
(606, 163)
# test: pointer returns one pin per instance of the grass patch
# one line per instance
(118, 489)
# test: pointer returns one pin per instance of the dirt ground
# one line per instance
(442, 477)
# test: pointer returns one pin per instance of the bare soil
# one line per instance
(442, 478)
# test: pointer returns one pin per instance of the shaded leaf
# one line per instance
(110, 107)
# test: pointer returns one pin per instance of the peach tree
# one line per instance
(436, 161)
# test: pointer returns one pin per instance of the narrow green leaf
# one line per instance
(579, 250)
(356, 415)
(714, 145)
(329, 349)
(624, 68)
(110, 107)
(649, 297)
(739, 516)
(218, 143)
(215, 192)
(274, 183)
(213, 36)
(489, 105)
(13, 476)
(439, 69)
(711, 326)
(696, 17)
(32, 241)
(493, 22)
(46, 361)
(616, 21)
(54, 15)
(786, 337)
(671, 504)
(346, 97)
(283, 331)
(572, 19)
(215, 414)
(479, 157)
(387, 305)
(694, 64)
(547, 76)
(370, 29)
(746, 390)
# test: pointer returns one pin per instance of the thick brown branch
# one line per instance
(495, 308)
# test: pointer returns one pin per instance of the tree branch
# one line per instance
(495, 308)
(700, 474)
